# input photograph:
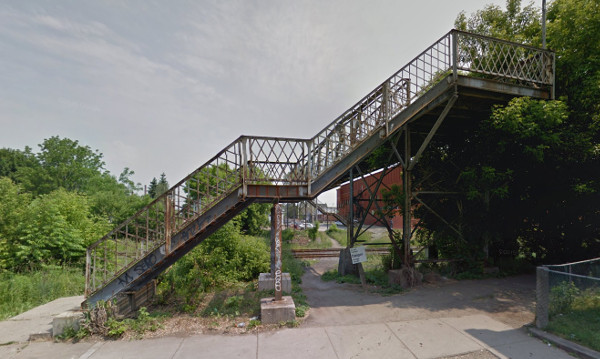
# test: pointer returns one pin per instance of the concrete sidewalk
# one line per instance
(37, 321)
(479, 335)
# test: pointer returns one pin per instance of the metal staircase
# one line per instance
(265, 169)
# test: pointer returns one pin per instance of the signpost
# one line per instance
(359, 254)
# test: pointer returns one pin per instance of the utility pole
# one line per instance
(544, 24)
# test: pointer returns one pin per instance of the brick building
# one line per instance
(362, 194)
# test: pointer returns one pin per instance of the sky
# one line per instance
(162, 86)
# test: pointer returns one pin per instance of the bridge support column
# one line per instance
(280, 308)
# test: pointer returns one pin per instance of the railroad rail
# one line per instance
(332, 252)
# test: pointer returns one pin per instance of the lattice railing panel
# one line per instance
(503, 60)
(276, 160)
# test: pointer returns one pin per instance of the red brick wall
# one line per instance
(362, 194)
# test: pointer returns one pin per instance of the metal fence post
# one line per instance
(542, 293)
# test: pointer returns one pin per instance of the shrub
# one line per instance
(562, 297)
(312, 232)
(224, 258)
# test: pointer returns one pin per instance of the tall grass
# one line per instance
(20, 292)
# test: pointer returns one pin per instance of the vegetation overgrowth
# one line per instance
(20, 292)
(526, 177)
(575, 314)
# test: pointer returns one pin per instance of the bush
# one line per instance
(224, 258)
(332, 229)
(312, 232)
(562, 297)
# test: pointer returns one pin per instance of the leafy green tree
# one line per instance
(516, 23)
(125, 179)
(114, 200)
(63, 163)
(11, 160)
(529, 173)
(50, 229)
(254, 218)
(13, 206)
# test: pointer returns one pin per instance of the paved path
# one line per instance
(478, 335)
(36, 321)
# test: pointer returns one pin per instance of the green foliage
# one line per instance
(223, 259)
(581, 322)
(254, 218)
(529, 172)
(287, 235)
(56, 229)
(63, 163)
(312, 232)
(11, 160)
(516, 23)
(333, 275)
(20, 292)
(562, 297)
(333, 228)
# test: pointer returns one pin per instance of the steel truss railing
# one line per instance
(288, 161)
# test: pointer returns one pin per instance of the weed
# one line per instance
(301, 310)
(20, 292)
(253, 324)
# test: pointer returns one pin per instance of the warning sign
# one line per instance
(358, 254)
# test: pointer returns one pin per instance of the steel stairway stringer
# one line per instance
(155, 262)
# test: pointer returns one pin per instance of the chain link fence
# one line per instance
(560, 288)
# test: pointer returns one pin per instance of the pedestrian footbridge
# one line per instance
(459, 77)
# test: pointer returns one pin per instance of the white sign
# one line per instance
(358, 254)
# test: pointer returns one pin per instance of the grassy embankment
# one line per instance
(20, 292)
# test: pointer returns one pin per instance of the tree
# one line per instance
(152, 188)
(529, 173)
(163, 185)
(13, 205)
(54, 228)
(11, 160)
(63, 163)
(125, 179)
(254, 218)
(516, 23)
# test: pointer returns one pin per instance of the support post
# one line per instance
(168, 215)
(406, 216)
(350, 233)
(276, 224)
(542, 293)
(454, 40)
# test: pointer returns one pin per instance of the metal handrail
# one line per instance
(275, 160)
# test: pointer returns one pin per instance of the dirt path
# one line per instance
(509, 300)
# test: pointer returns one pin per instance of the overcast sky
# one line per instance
(162, 86)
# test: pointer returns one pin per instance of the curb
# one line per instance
(565, 345)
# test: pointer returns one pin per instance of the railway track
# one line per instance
(331, 252)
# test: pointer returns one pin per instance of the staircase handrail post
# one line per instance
(88, 263)
(454, 40)
(244, 165)
(385, 105)
(309, 161)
